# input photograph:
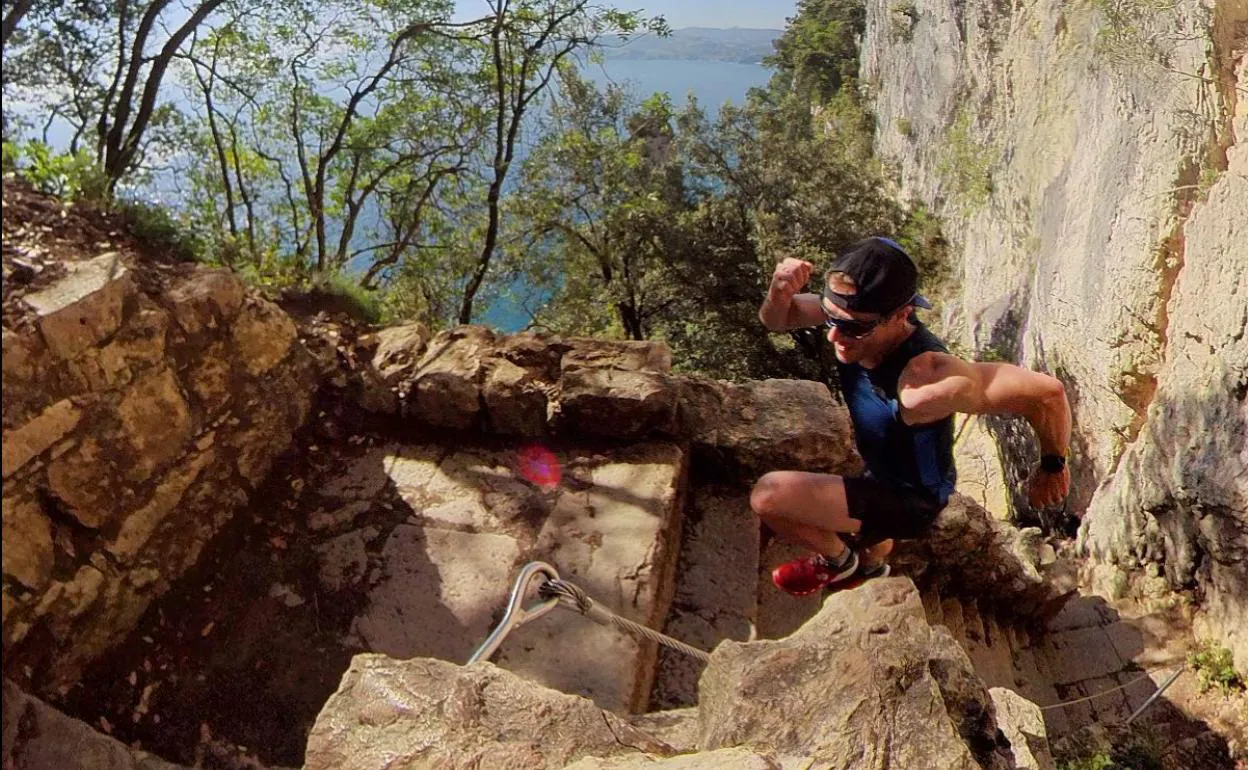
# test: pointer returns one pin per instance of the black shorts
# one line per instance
(888, 511)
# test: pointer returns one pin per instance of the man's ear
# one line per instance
(902, 313)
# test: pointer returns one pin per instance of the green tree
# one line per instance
(337, 126)
(763, 189)
(98, 67)
(600, 190)
(645, 222)
(525, 42)
(817, 56)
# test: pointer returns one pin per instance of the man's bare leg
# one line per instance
(809, 508)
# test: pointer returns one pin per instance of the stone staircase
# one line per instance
(1054, 648)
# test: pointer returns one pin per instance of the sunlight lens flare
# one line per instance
(540, 466)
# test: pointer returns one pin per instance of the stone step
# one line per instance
(931, 606)
(780, 614)
(440, 579)
(995, 662)
(716, 593)
(954, 619)
(614, 532)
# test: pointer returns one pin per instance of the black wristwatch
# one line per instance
(1052, 463)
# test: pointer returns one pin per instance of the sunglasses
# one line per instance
(855, 330)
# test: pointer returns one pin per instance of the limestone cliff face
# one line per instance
(142, 407)
(1090, 161)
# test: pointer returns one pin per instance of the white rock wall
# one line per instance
(1073, 149)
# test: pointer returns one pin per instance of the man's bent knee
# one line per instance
(767, 494)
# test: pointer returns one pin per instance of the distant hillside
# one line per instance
(745, 46)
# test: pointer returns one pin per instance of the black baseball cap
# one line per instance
(884, 274)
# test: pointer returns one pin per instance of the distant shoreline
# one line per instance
(739, 45)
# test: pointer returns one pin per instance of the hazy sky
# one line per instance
(768, 14)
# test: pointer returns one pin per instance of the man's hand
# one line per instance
(791, 277)
(1045, 489)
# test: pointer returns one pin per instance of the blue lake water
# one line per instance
(711, 82)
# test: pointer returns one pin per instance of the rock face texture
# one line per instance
(866, 683)
(534, 386)
(141, 408)
(1091, 161)
(38, 736)
(429, 713)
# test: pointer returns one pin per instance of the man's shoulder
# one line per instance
(924, 340)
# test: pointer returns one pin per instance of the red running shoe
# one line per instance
(807, 575)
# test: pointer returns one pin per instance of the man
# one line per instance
(902, 388)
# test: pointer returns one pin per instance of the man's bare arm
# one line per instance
(785, 307)
(936, 385)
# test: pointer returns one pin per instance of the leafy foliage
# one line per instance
(97, 68)
(1215, 667)
(1097, 761)
(817, 56)
(67, 175)
(364, 304)
(156, 226)
(386, 152)
(645, 221)
(965, 164)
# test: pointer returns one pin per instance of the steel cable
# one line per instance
(574, 598)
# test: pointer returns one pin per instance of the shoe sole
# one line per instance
(852, 583)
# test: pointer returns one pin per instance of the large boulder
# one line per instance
(866, 682)
(617, 403)
(755, 427)
(142, 407)
(1023, 724)
(969, 553)
(38, 736)
(426, 713)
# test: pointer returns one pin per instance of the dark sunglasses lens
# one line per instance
(851, 328)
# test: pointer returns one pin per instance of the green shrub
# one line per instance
(1136, 34)
(904, 16)
(966, 163)
(361, 303)
(1097, 761)
(1215, 667)
(157, 228)
(68, 176)
(905, 127)
(10, 157)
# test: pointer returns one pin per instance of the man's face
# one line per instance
(860, 341)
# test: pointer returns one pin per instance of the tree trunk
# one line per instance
(122, 154)
(14, 17)
(500, 170)
(218, 143)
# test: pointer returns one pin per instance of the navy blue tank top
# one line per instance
(918, 457)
